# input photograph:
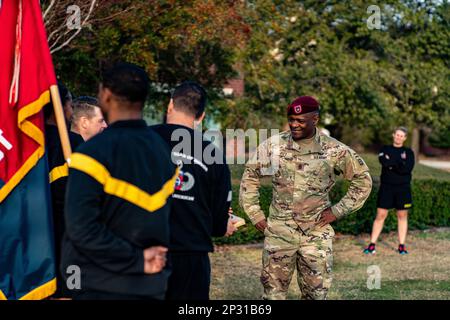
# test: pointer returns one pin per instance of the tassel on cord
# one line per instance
(14, 90)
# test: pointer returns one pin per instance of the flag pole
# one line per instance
(60, 122)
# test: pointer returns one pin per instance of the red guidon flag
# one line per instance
(27, 267)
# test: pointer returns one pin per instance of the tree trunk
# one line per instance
(415, 143)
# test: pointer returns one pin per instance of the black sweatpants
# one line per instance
(191, 276)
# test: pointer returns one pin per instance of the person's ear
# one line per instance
(84, 122)
(170, 107)
(105, 96)
(316, 119)
(200, 119)
(100, 92)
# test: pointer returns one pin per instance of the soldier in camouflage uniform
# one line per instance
(304, 164)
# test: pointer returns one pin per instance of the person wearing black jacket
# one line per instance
(397, 163)
(118, 199)
(58, 172)
(202, 195)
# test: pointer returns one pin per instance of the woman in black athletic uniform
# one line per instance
(397, 164)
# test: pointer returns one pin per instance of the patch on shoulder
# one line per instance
(359, 159)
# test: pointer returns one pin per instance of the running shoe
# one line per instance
(370, 249)
(401, 249)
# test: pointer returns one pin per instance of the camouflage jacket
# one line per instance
(302, 178)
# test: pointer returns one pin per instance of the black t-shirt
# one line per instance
(397, 165)
(202, 194)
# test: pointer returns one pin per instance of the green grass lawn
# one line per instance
(423, 274)
(420, 171)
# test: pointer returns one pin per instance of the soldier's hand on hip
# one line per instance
(326, 217)
(262, 225)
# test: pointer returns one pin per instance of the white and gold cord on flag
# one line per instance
(14, 88)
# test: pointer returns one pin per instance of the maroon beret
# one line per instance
(302, 105)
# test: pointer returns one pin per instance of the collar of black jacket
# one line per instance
(128, 124)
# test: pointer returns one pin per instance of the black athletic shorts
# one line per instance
(394, 197)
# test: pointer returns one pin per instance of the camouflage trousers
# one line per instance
(287, 248)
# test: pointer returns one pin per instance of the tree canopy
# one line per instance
(368, 80)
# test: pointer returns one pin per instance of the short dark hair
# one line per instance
(127, 81)
(190, 97)
(84, 106)
(64, 93)
(65, 96)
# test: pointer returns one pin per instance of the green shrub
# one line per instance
(431, 207)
